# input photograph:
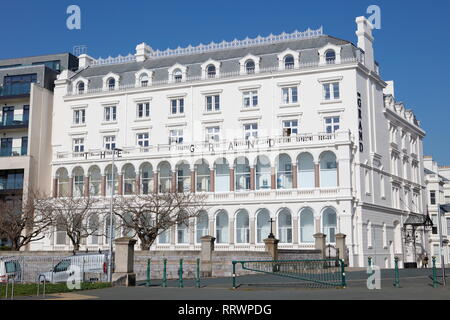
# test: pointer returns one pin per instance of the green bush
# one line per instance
(30, 289)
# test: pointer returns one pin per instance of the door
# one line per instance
(8, 116)
(6, 147)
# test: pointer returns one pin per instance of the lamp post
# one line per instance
(114, 150)
(441, 254)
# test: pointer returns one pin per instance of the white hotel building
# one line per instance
(298, 127)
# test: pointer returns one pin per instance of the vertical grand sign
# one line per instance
(360, 126)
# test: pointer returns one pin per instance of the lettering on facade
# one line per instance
(360, 127)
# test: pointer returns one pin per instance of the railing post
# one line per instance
(164, 283)
(148, 284)
(197, 280)
(180, 274)
(435, 283)
(344, 283)
(396, 273)
(234, 274)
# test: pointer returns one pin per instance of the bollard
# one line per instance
(149, 283)
(164, 280)
(435, 283)
(396, 273)
(197, 280)
(234, 275)
(180, 274)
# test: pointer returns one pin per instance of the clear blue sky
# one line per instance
(411, 47)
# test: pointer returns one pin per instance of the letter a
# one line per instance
(74, 20)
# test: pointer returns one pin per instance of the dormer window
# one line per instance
(177, 76)
(144, 80)
(112, 84)
(330, 57)
(211, 71)
(250, 66)
(289, 62)
(80, 87)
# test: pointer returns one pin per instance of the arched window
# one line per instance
(289, 62)
(222, 176)
(146, 178)
(111, 84)
(250, 66)
(222, 227)
(242, 173)
(111, 179)
(285, 226)
(94, 229)
(78, 182)
(262, 225)
(165, 177)
(182, 231)
(202, 226)
(129, 180)
(80, 87)
(183, 177)
(164, 237)
(330, 57)
(95, 181)
(203, 176)
(211, 71)
(144, 80)
(306, 226)
(329, 224)
(306, 175)
(328, 170)
(242, 227)
(177, 75)
(284, 172)
(63, 182)
(263, 173)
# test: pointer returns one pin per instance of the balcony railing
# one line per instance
(222, 75)
(13, 152)
(19, 120)
(16, 90)
(224, 146)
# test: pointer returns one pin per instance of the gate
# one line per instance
(322, 273)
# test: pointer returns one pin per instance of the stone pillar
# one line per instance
(340, 245)
(273, 179)
(252, 231)
(232, 184)
(70, 187)
(55, 188)
(212, 180)
(337, 173)
(252, 178)
(317, 174)
(231, 231)
(174, 182)
(320, 243)
(103, 186)
(193, 181)
(120, 181)
(294, 176)
(295, 229)
(155, 182)
(206, 256)
(86, 186)
(124, 263)
(271, 245)
(138, 184)
(191, 232)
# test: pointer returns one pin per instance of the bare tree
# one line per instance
(73, 216)
(23, 223)
(147, 216)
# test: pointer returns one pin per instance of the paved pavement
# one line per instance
(414, 284)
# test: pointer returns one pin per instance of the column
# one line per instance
(252, 178)
(340, 245)
(337, 173)
(193, 181)
(317, 174)
(294, 176)
(295, 230)
(252, 230)
(155, 182)
(55, 188)
(212, 180)
(174, 182)
(86, 186)
(273, 179)
(232, 184)
(71, 187)
(138, 183)
(103, 186)
(320, 243)
(206, 255)
(120, 181)
(231, 231)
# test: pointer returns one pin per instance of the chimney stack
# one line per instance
(365, 41)
(143, 52)
(84, 61)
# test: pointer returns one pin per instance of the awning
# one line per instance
(415, 219)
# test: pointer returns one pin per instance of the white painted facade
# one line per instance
(361, 178)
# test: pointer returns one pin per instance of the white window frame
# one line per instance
(334, 95)
(251, 130)
(145, 109)
(250, 95)
(109, 140)
(212, 136)
(178, 110)
(214, 104)
(79, 116)
(78, 145)
(290, 121)
(174, 136)
(332, 125)
(112, 113)
(288, 99)
(143, 139)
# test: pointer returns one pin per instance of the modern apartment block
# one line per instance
(299, 128)
(26, 106)
(437, 181)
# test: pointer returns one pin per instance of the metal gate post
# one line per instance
(435, 283)
(396, 273)
(180, 274)
(234, 275)
(164, 280)
(197, 280)
(344, 283)
(148, 284)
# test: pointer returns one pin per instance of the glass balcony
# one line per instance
(13, 152)
(15, 90)
(18, 120)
